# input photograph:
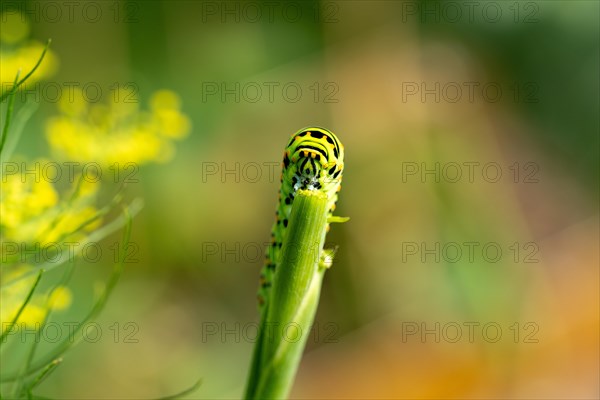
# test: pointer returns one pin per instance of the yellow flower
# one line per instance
(32, 316)
(18, 54)
(13, 293)
(33, 213)
(88, 188)
(60, 298)
(119, 133)
(74, 103)
(23, 198)
(12, 296)
(65, 225)
(165, 100)
(172, 123)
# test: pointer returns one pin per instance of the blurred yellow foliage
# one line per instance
(17, 53)
(14, 291)
(32, 211)
(118, 132)
(60, 298)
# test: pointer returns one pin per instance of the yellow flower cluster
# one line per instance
(118, 132)
(35, 217)
(18, 53)
(13, 294)
(32, 213)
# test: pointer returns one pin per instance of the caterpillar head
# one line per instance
(318, 158)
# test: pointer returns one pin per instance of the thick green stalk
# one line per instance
(293, 302)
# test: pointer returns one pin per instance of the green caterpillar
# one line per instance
(313, 160)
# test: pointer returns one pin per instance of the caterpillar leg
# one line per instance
(326, 258)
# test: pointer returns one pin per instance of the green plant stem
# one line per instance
(9, 113)
(18, 82)
(13, 323)
(293, 301)
(74, 338)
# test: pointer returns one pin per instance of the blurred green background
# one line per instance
(383, 76)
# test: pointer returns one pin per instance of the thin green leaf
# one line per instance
(17, 129)
(9, 112)
(41, 376)
(96, 309)
(20, 388)
(16, 85)
(69, 203)
(13, 323)
(185, 392)
(134, 208)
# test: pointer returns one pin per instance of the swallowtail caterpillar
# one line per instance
(313, 160)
